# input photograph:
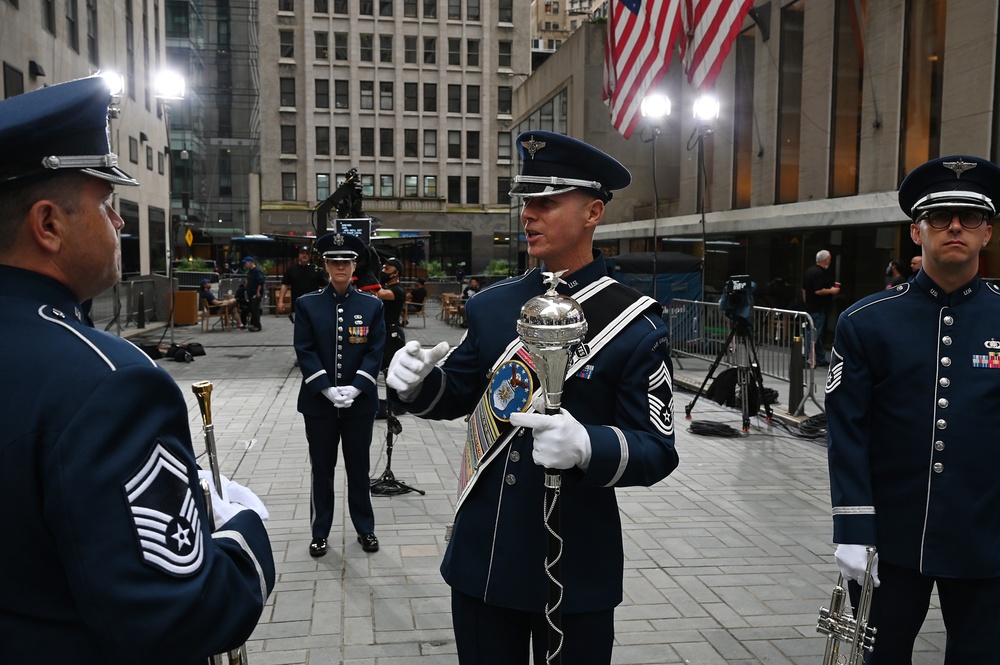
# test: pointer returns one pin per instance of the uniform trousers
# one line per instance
(489, 635)
(970, 608)
(325, 437)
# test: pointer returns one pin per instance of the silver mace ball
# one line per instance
(551, 326)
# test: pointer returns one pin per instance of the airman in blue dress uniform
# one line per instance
(107, 556)
(913, 404)
(615, 428)
(339, 339)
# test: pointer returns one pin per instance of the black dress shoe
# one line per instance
(318, 547)
(369, 543)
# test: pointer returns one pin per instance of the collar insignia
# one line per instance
(533, 146)
(959, 167)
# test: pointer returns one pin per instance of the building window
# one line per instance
(743, 151)
(367, 142)
(410, 185)
(133, 150)
(430, 143)
(504, 96)
(287, 92)
(504, 53)
(455, 9)
(472, 99)
(505, 11)
(410, 49)
(288, 187)
(472, 52)
(430, 50)
(92, 31)
(286, 40)
(385, 7)
(321, 7)
(342, 141)
(49, 15)
(385, 95)
(149, 158)
(367, 47)
(386, 142)
(789, 103)
(430, 97)
(322, 140)
(366, 7)
(385, 48)
(225, 172)
(385, 187)
(288, 140)
(368, 95)
(322, 186)
(161, 163)
(430, 186)
(454, 193)
(410, 8)
(503, 145)
(430, 9)
(848, 85)
(340, 6)
(454, 52)
(454, 145)
(923, 83)
(73, 24)
(503, 190)
(472, 190)
(286, 5)
(341, 94)
(340, 46)
(410, 96)
(472, 10)
(410, 143)
(367, 184)
(322, 93)
(454, 98)
(322, 45)
(472, 145)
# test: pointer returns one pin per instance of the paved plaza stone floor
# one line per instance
(727, 561)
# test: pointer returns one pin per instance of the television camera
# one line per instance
(737, 297)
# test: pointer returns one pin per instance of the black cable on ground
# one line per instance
(703, 428)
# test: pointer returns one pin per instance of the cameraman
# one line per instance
(818, 290)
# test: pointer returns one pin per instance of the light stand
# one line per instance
(706, 111)
(169, 86)
(386, 484)
(655, 107)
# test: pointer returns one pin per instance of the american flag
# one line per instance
(642, 35)
(641, 38)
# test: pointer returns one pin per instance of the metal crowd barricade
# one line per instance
(700, 330)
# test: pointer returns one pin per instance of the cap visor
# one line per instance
(530, 189)
(112, 174)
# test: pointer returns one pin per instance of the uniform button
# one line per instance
(946, 361)
(945, 382)
(941, 424)
(948, 320)
(939, 445)
(946, 340)
(938, 467)
(943, 403)
(515, 456)
(339, 356)
(510, 479)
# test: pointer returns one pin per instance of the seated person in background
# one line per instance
(470, 290)
(415, 299)
(213, 303)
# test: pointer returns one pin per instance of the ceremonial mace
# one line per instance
(551, 327)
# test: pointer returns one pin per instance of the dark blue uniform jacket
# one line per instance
(497, 549)
(339, 342)
(107, 555)
(913, 409)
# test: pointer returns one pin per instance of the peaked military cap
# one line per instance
(340, 247)
(956, 181)
(60, 128)
(554, 163)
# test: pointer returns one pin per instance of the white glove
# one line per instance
(560, 441)
(411, 365)
(332, 394)
(224, 508)
(852, 560)
(346, 396)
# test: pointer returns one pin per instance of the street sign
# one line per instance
(189, 237)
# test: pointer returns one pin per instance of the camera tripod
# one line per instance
(386, 484)
(749, 382)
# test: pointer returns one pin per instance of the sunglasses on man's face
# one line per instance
(941, 219)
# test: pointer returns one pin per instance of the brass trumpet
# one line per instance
(203, 393)
(840, 624)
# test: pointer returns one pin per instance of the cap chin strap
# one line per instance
(80, 161)
(954, 199)
(553, 181)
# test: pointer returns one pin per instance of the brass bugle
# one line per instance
(203, 392)
(840, 624)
